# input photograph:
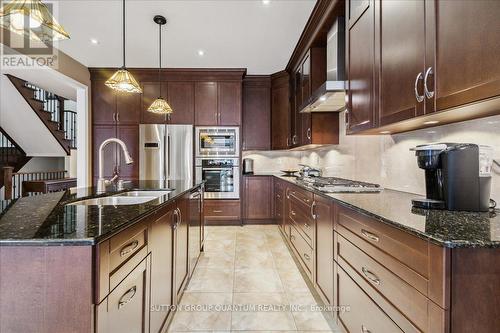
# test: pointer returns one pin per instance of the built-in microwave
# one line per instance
(217, 141)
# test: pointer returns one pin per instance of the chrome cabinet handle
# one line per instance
(127, 297)
(370, 276)
(293, 213)
(278, 196)
(309, 134)
(217, 211)
(288, 142)
(419, 98)
(307, 256)
(364, 329)
(346, 119)
(129, 248)
(370, 235)
(176, 218)
(118, 117)
(294, 139)
(313, 208)
(429, 94)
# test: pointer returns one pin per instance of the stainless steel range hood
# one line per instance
(330, 97)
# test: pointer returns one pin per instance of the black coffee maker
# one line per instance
(457, 176)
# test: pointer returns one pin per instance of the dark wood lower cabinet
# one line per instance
(181, 256)
(222, 212)
(324, 247)
(257, 194)
(161, 238)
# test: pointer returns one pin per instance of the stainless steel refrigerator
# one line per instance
(166, 152)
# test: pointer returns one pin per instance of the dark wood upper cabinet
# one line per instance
(401, 32)
(280, 111)
(205, 103)
(150, 92)
(229, 103)
(128, 108)
(360, 64)
(463, 47)
(181, 99)
(257, 113)
(103, 103)
(258, 203)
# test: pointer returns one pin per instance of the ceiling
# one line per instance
(232, 33)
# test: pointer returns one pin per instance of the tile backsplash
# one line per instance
(385, 159)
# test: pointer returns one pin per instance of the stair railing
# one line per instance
(9, 150)
(13, 181)
(70, 126)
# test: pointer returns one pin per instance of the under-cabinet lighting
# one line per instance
(385, 132)
(431, 122)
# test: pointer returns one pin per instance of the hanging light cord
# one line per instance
(159, 67)
(123, 33)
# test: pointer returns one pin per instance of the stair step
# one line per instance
(38, 100)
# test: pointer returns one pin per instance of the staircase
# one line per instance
(50, 109)
(10, 154)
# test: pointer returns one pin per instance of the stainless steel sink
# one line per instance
(144, 193)
(114, 201)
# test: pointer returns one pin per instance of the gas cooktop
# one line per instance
(336, 185)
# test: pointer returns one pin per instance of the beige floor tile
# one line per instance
(308, 315)
(219, 245)
(207, 312)
(258, 298)
(293, 281)
(255, 244)
(211, 280)
(224, 260)
(258, 280)
(258, 321)
(249, 258)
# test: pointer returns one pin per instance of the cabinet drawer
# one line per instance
(406, 248)
(303, 249)
(126, 244)
(364, 315)
(401, 294)
(300, 195)
(303, 220)
(222, 209)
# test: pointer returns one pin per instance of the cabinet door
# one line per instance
(103, 103)
(306, 79)
(181, 246)
(467, 65)
(195, 229)
(401, 33)
(126, 309)
(258, 197)
(205, 103)
(257, 116)
(150, 92)
(229, 103)
(160, 242)
(101, 133)
(129, 134)
(280, 115)
(181, 99)
(360, 65)
(296, 116)
(324, 247)
(128, 108)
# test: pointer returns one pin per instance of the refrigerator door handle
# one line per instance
(168, 157)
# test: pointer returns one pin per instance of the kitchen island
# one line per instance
(70, 265)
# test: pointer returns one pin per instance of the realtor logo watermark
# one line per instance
(21, 45)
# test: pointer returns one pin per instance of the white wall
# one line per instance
(37, 164)
(385, 159)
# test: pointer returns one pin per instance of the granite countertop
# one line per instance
(47, 220)
(445, 228)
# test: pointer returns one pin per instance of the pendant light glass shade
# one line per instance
(42, 24)
(123, 81)
(160, 106)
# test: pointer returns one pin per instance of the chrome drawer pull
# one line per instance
(307, 256)
(127, 297)
(371, 276)
(307, 200)
(217, 211)
(293, 213)
(313, 208)
(364, 329)
(129, 248)
(369, 235)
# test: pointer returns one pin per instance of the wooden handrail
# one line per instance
(38, 172)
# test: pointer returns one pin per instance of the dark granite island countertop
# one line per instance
(47, 220)
(445, 228)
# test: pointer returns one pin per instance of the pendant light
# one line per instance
(123, 80)
(42, 24)
(160, 105)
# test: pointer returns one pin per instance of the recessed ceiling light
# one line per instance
(94, 41)
(201, 53)
(431, 122)
(385, 132)
(266, 2)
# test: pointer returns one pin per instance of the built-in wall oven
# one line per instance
(221, 176)
(217, 141)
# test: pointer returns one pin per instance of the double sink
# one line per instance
(125, 198)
